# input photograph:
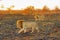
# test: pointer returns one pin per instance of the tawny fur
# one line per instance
(27, 25)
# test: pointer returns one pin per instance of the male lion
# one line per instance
(25, 25)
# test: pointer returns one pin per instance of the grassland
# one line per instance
(8, 30)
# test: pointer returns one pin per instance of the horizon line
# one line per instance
(12, 7)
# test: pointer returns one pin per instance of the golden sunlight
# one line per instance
(21, 4)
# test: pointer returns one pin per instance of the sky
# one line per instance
(21, 4)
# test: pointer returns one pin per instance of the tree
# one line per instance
(9, 9)
(45, 8)
(2, 6)
(30, 10)
(56, 8)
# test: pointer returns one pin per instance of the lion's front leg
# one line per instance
(37, 28)
(23, 29)
(20, 30)
(32, 29)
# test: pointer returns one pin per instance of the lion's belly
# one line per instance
(29, 24)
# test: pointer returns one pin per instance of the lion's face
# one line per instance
(19, 24)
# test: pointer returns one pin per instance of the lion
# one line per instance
(25, 25)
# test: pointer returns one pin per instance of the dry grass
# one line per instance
(8, 30)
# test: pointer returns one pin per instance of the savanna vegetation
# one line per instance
(49, 24)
